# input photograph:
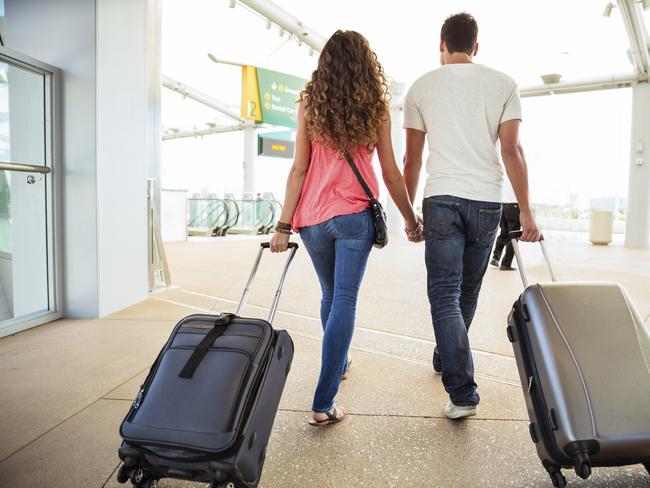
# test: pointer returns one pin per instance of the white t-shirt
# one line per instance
(460, 107)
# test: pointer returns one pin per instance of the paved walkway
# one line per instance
(66, 386)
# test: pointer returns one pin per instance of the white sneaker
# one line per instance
(456, 412)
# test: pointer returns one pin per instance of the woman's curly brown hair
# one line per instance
(347, 97)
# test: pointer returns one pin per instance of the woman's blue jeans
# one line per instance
(339, 249)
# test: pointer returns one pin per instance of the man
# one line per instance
(509, 222)
(463, 108)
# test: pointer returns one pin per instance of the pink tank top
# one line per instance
(331, 188)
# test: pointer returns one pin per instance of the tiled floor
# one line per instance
(66, 386)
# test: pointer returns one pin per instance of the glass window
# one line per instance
(24, 285)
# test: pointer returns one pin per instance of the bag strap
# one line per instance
(350, 161)
(220, 326)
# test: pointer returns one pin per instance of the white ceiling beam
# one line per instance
(196, 95)
(592, 84)
(637, 33)
(287, 21)
(201, 132)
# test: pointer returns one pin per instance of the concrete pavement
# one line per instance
(67, 385)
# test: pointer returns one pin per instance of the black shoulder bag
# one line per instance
(381, 229)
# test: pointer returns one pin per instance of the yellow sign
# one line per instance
(270, 97)
(251, 107)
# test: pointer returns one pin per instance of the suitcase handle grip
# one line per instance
(514, 236)
(267, 245)
(293, 246)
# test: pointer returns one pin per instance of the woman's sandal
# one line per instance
(332, 418)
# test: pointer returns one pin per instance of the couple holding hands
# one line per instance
(463, 109)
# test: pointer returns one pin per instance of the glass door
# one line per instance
(29, 285)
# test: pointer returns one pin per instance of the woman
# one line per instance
(344, 106)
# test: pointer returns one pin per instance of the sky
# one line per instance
(575, 144)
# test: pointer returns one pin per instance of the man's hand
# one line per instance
(530, 232)
(279, 242)
(417, 232)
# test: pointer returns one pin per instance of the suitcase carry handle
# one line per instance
(293, 246)
(290, 245)
(514, 238)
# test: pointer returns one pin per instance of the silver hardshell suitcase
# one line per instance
(583, 354)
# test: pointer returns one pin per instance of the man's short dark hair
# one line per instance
(459, 33)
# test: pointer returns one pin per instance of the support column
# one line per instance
(395, 220)
(250, 157)
(637, 227)
(127, 138)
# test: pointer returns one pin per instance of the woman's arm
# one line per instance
(297, 174)
(392, 176)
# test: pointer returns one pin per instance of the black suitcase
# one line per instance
(583, 355)
(206, 409)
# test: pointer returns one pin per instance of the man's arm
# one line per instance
(517, 170)
(413, 160)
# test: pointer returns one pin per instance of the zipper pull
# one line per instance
(138, 399)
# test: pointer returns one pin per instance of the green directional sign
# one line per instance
(279, 94)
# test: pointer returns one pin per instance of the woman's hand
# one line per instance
(415, 232)
(279, 242)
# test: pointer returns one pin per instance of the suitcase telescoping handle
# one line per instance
(514, 238)
(293, 247)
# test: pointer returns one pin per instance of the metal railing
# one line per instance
(212, 216)
(24, 168)
(159, 274)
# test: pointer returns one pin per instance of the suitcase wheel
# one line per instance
(139, 479)
(225, 484)
(559, 481)
(583, 468)
(583, 465)
(123, 474)
(137, 476)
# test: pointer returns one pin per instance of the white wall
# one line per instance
(62, 33)
(108, 51)
(173, 215)
(122, 117)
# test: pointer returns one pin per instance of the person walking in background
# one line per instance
(344, 107)
(509, 222)
(463, 109)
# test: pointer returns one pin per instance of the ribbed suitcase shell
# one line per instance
(583, 355)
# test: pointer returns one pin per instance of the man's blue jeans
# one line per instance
(459, 234)
(339, 249)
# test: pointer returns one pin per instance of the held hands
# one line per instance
(415, 233)
(530, 232)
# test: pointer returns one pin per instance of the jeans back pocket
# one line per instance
(353, 226)
(439, 218)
